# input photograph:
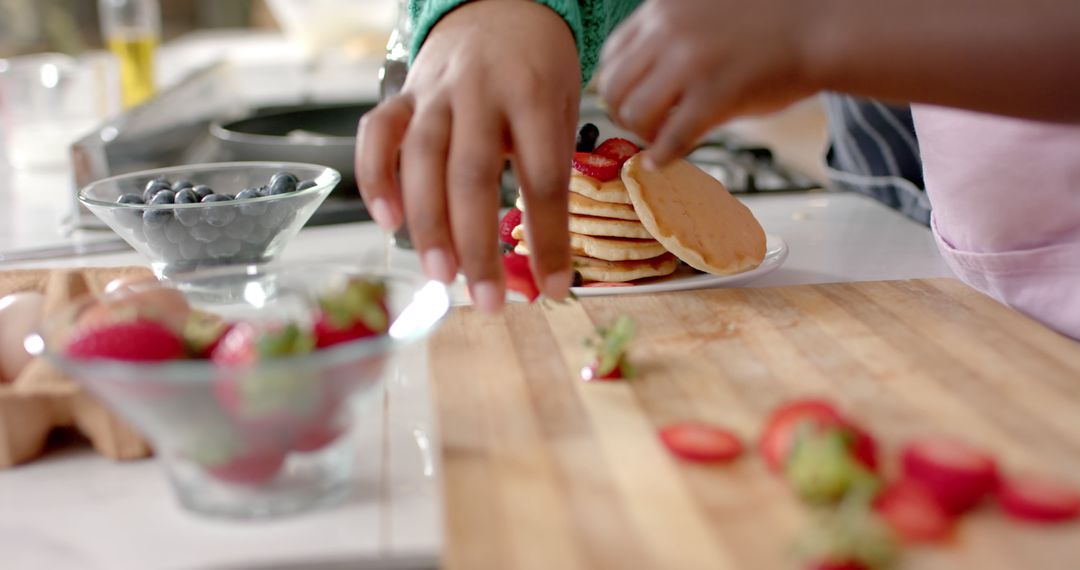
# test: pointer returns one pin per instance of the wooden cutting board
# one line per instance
(545, 471)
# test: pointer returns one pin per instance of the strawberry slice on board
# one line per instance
(701, 442)
(959, 475)
(778, 437)
(519, 276)
(1038, 498)
(617, 149)
(599, 167)
(913, 513)
(138, 340)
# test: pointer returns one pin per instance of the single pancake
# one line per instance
(607, 248)
(585, 206)
(612, 191)
(609, 227)
(593, 269)
(694, 217)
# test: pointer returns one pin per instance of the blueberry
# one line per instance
(223, 247)
(164, 197)
(192, 250)
(586, 138)
(204, 233)
(305, 184)
(130, 198)
(248, 194)
(258, 235)
(218, 215)
(154, 234)
(186, 196)
(240, 227)
(282, 183)
(188, 216)
(216, 198)
(175, 231)
(129, 216)
(181, 184)
(153, 187)
(275, 215)
(251, 209)
(577, 279)
(202, 191)
(157, 217)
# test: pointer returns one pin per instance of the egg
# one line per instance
(20, 315)
(162, 304)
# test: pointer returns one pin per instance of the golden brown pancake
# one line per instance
(593, 269)
(607, 227)
(612, 191)
(607, 248)
(585, 206)
(694, 217)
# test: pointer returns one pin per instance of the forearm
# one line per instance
(590, 21)
(1010, 57)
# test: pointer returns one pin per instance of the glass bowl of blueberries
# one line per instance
(193, 217)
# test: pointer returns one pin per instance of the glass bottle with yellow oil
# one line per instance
(132, 31)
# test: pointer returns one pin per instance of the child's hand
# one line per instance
(494, 78)
(676, 68)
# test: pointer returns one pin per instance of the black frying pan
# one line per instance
(317, 134)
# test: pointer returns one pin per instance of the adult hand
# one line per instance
(493, 78)
(676, 68)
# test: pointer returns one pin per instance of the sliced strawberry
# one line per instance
(511, 220)
(519, 276)
(601, 168)
(958, 475)
(245, 343)
(695, 441)
(354, 311)
(592, 372)
(316, 437)
(912, 511)
(838, 565)
(329, 334)
(139, 340)
(253, 468)
(1038, 498)
(778, 437)
(619, 150)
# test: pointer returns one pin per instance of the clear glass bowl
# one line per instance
(269, 439)
(179, 238)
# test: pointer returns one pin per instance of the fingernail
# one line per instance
(380, 211)
(648, 163)
(557, 285)
(437, 265)
(486, 295)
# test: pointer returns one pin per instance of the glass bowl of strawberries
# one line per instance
(249, 396)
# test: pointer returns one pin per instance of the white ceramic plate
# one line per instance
(776, 251)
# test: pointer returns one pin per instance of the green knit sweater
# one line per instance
(590, 21)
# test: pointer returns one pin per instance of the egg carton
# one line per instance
(41, 398)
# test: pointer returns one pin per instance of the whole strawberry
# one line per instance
(519, 276)
(261, 394)
(246, 343)
(357, 310)
(138, 340)
(204, 332)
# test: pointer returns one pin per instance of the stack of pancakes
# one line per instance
(608, 242)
